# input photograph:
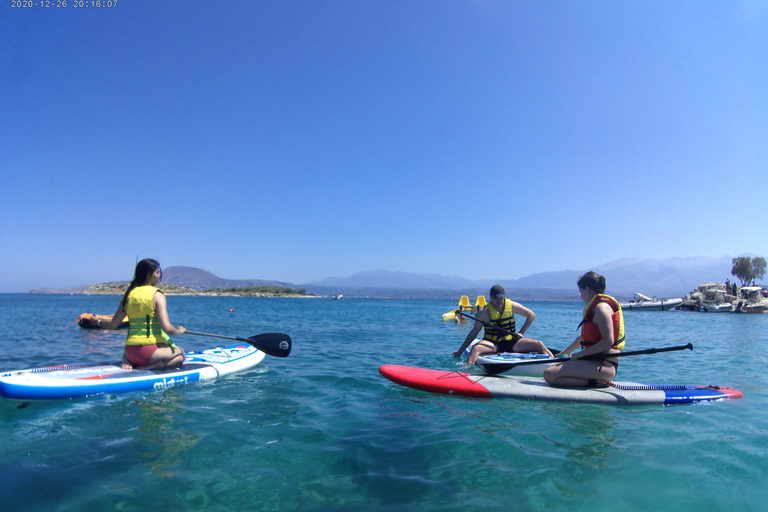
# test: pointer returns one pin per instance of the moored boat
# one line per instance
(752, 300)
(645, 303)
(725, 307)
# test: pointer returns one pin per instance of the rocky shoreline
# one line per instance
(718, 293)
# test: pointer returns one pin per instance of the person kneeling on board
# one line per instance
(602, 332)
(500, 312)
(148, 345)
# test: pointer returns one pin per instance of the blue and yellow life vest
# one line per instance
(504, 319)
(143, 327)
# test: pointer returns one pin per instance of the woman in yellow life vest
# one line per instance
(602, 332)
(148, 346)
(500, 312)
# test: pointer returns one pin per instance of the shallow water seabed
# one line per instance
(322, 430)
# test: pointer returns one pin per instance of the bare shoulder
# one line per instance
(159, 297)
(520, 309)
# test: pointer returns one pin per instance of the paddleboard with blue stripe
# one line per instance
(73, 381)
(505, 358)
(532, 388)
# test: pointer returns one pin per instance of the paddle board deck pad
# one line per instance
(531, 388)
(487, 363)
(72, 381)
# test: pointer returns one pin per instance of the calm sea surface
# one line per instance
(322, 430)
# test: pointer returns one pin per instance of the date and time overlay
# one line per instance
(61, 4)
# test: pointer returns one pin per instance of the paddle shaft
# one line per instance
(503, 367)
(273, 343)
(234, 338)
(637, 352)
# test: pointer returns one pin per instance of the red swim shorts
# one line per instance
(140, 355)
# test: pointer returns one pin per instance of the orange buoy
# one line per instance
(231, 310)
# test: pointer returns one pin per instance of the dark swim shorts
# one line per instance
(505, 345)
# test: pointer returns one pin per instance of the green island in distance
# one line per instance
(174, 289)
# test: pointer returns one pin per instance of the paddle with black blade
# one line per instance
(460, 312)
(495, 369)
(271, 343)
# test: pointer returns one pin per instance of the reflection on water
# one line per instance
(164, 442)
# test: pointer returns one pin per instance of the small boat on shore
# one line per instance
(645, 303)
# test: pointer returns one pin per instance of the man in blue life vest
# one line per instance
(498, 319)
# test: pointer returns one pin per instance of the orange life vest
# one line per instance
(590, 332)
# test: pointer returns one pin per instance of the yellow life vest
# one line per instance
(143, 327)
(504, 319)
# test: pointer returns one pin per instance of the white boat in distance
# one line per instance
(715, 302)
(725, 307)
(645, 303)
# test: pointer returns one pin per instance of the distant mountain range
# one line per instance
(673, 277)
(199, 279)
(668, 278)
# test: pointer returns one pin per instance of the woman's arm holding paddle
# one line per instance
(573, 346)
(162, 316)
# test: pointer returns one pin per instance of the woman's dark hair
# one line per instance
(143, 269)
(593, 281)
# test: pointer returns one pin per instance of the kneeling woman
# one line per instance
(148, 346)
(602, 332)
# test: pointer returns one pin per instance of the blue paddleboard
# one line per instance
(72, 381)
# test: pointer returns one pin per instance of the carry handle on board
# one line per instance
(271, 343)
(495, 369)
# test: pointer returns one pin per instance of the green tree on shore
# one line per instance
(747, 270)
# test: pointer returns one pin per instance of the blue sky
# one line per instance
(297, 140)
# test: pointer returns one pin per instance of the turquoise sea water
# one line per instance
(322, 430)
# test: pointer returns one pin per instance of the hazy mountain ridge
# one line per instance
(672, 277)
(199, 279)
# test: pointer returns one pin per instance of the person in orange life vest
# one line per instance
(501, 312)
(602, 333)
(148, 345)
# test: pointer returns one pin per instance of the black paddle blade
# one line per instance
(271, 343)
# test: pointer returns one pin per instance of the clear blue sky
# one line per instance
(297, 140)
